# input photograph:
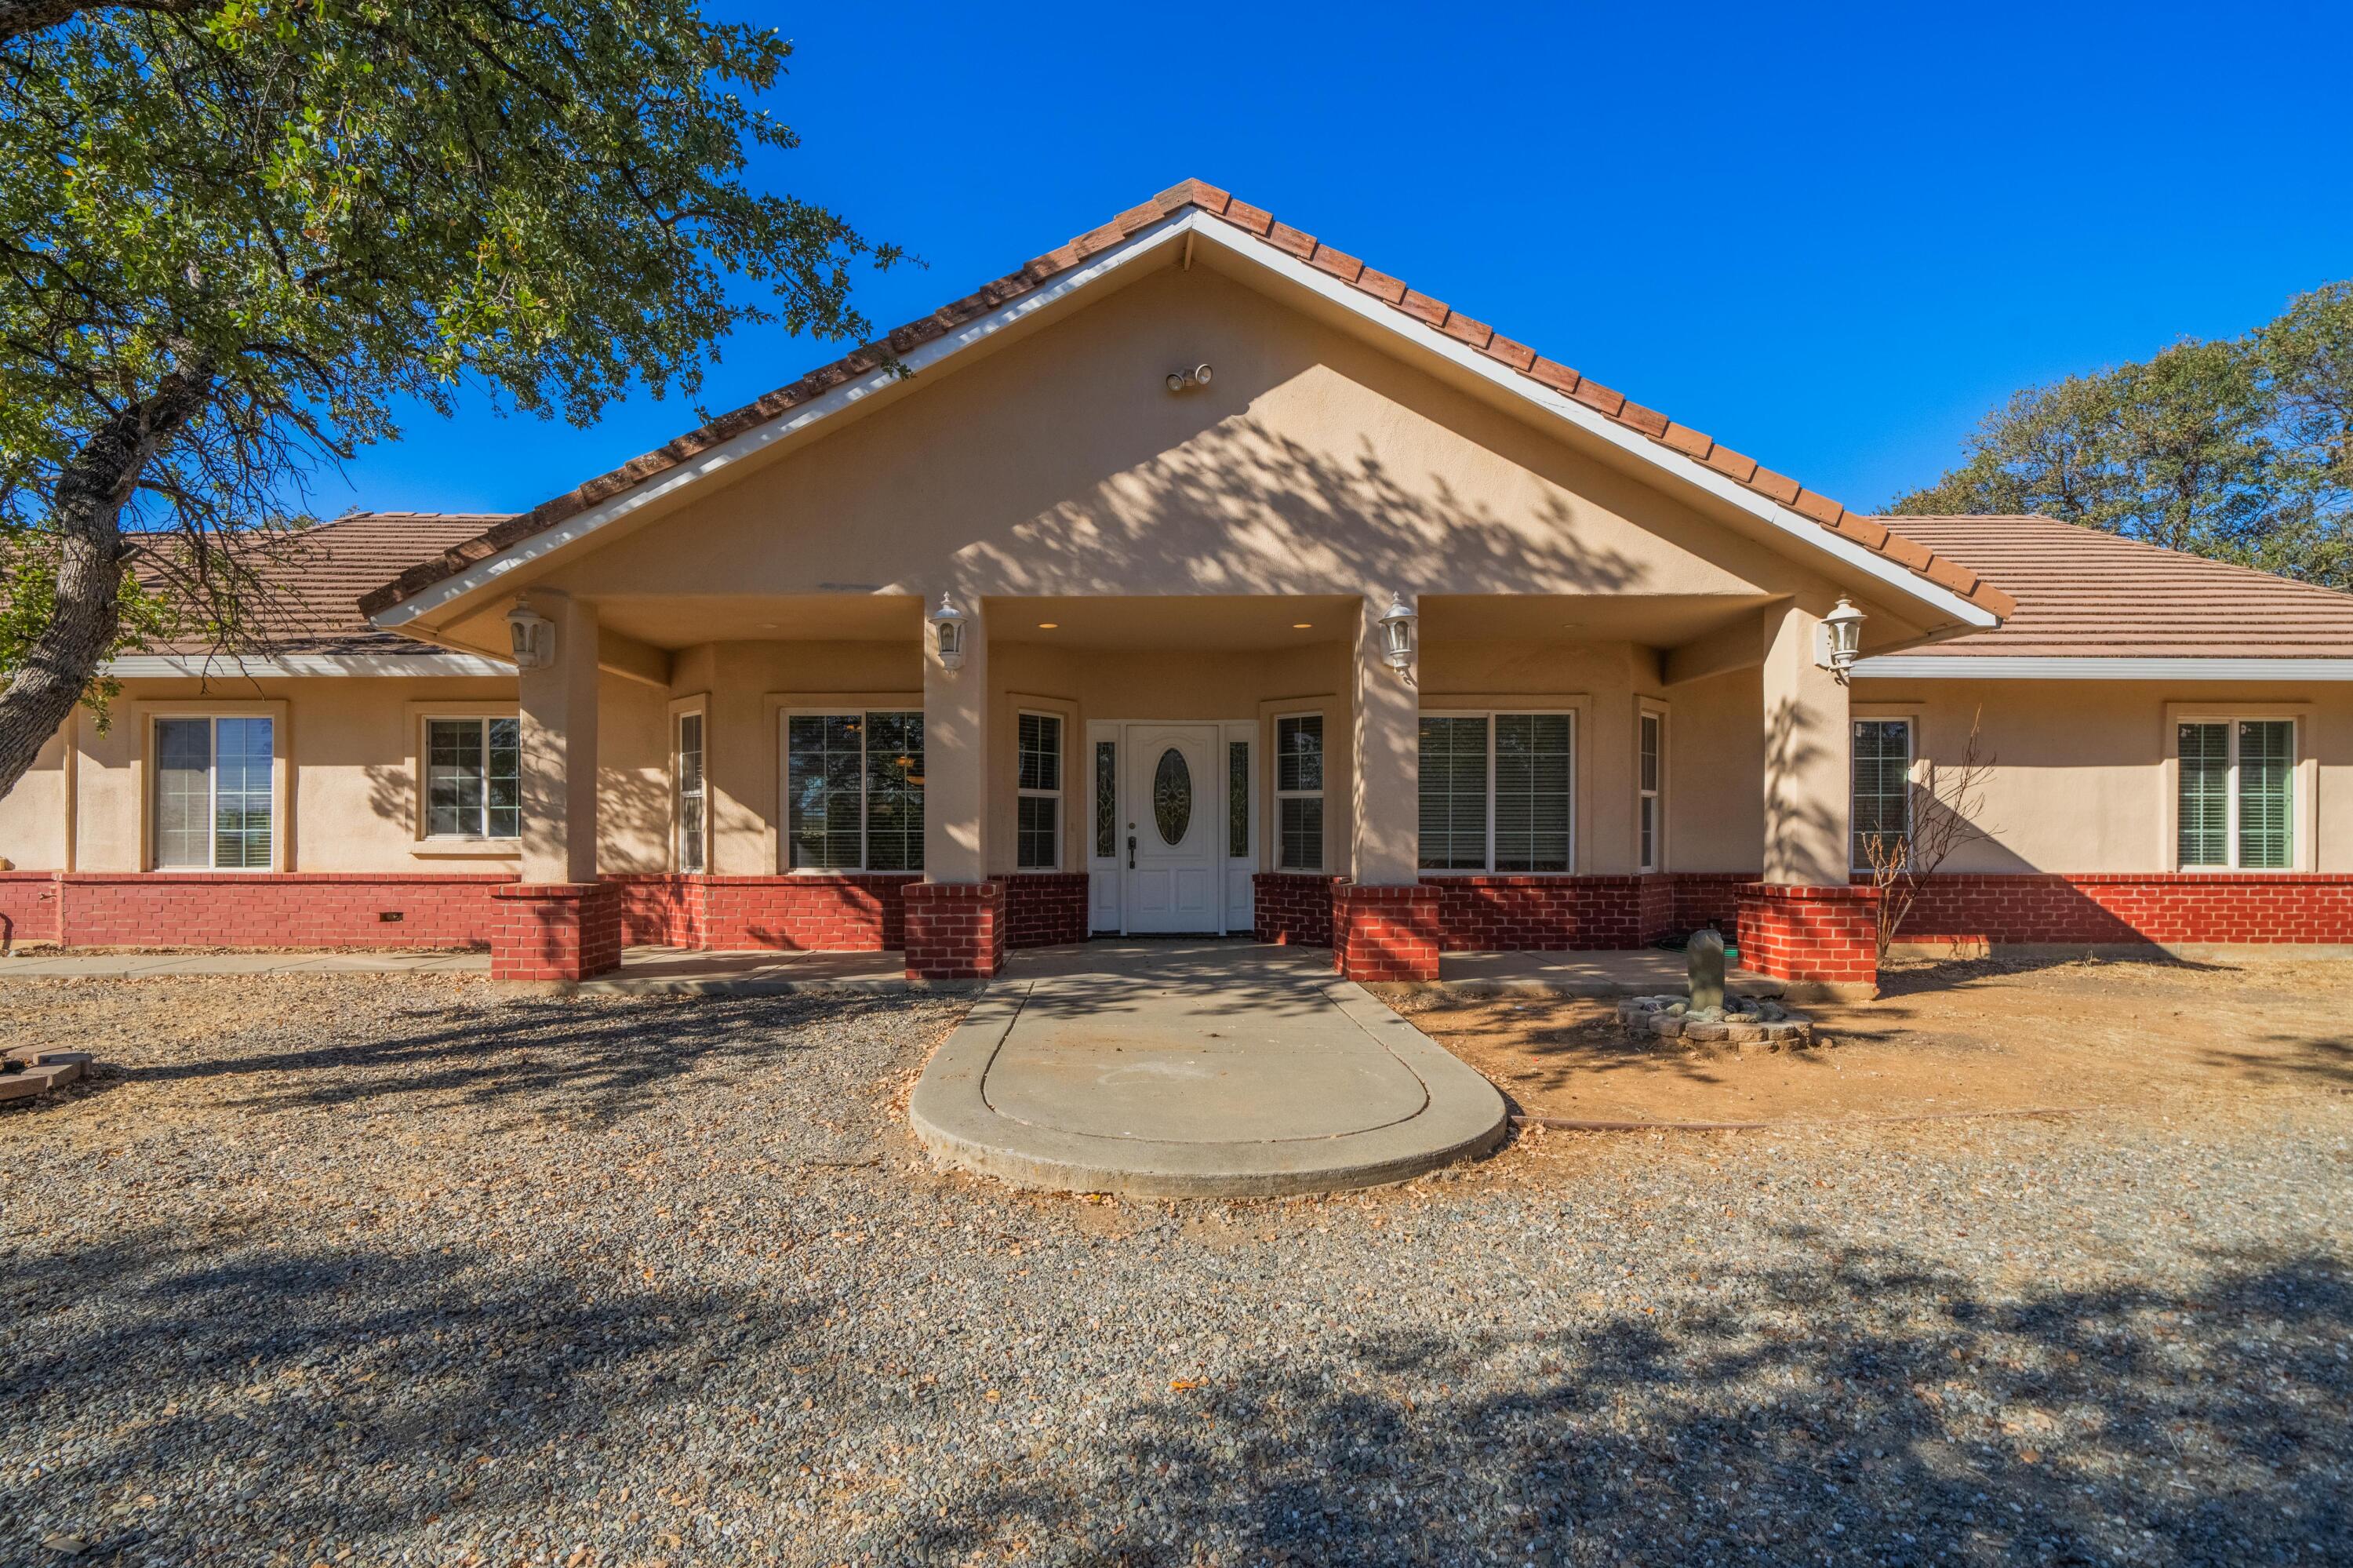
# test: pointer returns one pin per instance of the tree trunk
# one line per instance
(87, 517)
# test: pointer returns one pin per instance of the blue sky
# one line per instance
(1831, 236)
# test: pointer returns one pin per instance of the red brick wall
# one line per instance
(1292, 909)
(2170, 907)
(1808, 933)
(956, 931)
(1708, 898)
(856, 911)
(1521, 913)
(1385, 933)
(29, 903)
(273, 909)
(555, 930)
(1044, 908)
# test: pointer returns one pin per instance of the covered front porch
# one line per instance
(1537, 773)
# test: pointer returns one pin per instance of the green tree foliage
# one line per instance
(2240, 450)
(235, 233)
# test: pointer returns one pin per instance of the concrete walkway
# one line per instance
(1210, 1069)
(45, 965)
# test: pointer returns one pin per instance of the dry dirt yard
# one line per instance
(398, 1270)
(2132, 1037)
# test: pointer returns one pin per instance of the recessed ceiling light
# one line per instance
(769, 625)
(1303, 626)
(1048, 625)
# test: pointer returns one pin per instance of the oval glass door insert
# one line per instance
(1172, 797)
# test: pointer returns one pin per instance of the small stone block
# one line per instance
(1667, 1025)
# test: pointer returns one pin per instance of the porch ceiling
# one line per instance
(680, 621)
(1192, 622)
(1658, 621)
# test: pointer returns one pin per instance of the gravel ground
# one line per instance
(390, 1271)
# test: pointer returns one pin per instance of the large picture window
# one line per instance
(1299, 792)
(1498, 791)
(1038, 831)
(473, 778)
(2236, 807)
(854, 791)
(214, 804)
(1881, 797)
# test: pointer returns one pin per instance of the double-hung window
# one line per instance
(1299, 792)
(690, 799)
(854, 791)
(1650, 776)
(1498, 791)
(473, 778)
(2236, 808)
(214, 801)
(1037, 830)
(1880, 805)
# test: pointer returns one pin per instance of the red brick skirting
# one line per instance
(249, 908)
(555, 930)
(1045, 908)
(850, 912)
(1552, 914)
(956, 931)
(1384, 933)
(2171, 908)
(1292, 909)
(1810, 933)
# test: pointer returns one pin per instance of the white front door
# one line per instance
(1173, 827)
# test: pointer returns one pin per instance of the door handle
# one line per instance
(1131, 852)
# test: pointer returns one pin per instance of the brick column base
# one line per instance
(555, 930)
(1825, 934)
(1384, 933)
(956, 931)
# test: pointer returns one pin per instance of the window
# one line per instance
(1037, 838)
(212, 797)
(854, 791)
(1106, 800)
(1881, 770)
(2237, 801)
(1497, 791)
(691, 805)
(1237, 799)
(1650, 770)
(1299, 792)
(473, 778)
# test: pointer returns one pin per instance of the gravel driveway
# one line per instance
(389, 1271)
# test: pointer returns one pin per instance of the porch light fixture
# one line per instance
(532, 635)
(1842, 639)
(1179, 380)
(1396, 625)
(947, 631)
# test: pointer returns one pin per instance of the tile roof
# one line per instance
(2088, 594)
(1873, 534)
(311, 580)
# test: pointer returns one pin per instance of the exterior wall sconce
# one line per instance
(947, 633)
(532, 635)
(1397, 624)
(1840, 640)
(1182, 380)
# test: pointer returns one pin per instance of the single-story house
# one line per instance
(1198, 576)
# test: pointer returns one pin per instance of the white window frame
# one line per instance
(698, 709)
(864, 713)
(212, 716)
(1912, 733)
(1061, 778)
(1647, 713)
(1319, 794)
(482, 721)
(2299, 787)
(1575, 764)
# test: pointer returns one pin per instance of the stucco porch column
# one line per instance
(1383, 920)
(1806, 921)
(956, 916)
(558, 922)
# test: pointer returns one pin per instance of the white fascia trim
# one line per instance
(2055, 667)
(789, 424)
(1802, 530)
(223, 665)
